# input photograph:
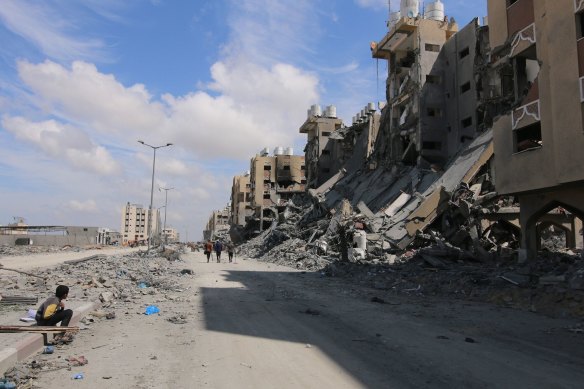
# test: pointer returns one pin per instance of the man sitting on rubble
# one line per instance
(52, 311)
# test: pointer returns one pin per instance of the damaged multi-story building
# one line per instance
(241, 208)
(330, 144)
(274, 179)
(218, 223)
(431, 88)
(319, 153)
(537, 71)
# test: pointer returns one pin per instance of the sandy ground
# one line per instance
(32, 261)
(257, 325)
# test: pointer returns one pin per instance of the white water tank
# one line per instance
(330, 111)
(434, 11)
(394, 17)
(315, 110)
(308, 113)
(371, 107)
(279, 150)
(410, 8)
(289, 151)
(265, 152)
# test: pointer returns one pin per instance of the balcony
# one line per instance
(519, 15)
(523, 40)
(525, 115)
(578, 6)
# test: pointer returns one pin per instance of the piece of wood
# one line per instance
(39, 329)
(14, 300)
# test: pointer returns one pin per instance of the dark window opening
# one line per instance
(266, 196)
(528, 138)
(326, 170)
(326, 133)
(467, 122)
(287, 167)
(302, 167)
(267, 167)
(433, 112)
(511, 2)
(432, 47)
(303, 181)
(580, 25)
(326, 152)
(431, 145)
(433, 79)
(463, 53)
(465, 87)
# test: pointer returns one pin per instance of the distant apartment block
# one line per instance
(240, 200)
(218, 222)
(135, 220)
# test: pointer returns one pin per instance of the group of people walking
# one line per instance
(218, 247)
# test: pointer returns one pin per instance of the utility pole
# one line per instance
(165, 208)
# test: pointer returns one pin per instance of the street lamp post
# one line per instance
(152, 188)
(165, 208)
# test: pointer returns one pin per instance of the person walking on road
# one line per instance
(208, 249)
(230, 250)
(218, 249)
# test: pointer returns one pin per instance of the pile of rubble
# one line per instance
(118, 281)
(429, 232)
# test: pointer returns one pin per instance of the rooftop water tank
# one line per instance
(434, 11)
(279, 150)
(265, 151)
(288, 151)
(308, 113)
(409, 8)
(330, 111)
(315, 110)
(394, 17)
(371, 107)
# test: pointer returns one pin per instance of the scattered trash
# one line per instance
(48, 350)
(77, 361)
(78, 376)
(110, 315)
(142, 285)
(5, 384)
(178, 319)
(151, 309)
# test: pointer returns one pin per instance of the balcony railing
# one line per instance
(531, 109)
(527, 34)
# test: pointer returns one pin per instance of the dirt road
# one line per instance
(255, 325)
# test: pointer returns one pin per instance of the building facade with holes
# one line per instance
(539, 143)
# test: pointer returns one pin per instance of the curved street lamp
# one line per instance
(152, 188)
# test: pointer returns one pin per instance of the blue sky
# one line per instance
(81, 82)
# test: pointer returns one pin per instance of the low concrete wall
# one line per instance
(50, 240)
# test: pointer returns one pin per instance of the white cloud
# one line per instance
(83, 206)
(251, 106)
(375, 4)
(62, 142)
(55, 34)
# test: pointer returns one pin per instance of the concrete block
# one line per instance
(8, 358)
